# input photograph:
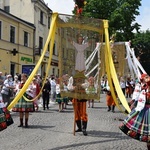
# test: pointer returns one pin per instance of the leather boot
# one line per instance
(148, 146)
(78, 122)
(109, 108)
(113, 108)
(21, 122)
(84, 123)
(26, 123)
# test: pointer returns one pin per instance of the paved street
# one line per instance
(52, 130)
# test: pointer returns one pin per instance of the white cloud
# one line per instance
(61, 6)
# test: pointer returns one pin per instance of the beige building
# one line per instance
(16, 43)
(39, 14)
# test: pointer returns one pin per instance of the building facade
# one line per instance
(39, 14)
(16, 43)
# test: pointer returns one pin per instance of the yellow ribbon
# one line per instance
(112, 76)
(24, 88)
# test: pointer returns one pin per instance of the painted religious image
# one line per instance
(81, 68)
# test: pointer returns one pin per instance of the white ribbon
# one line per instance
(134, 65)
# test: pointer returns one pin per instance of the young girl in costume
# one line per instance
(59, 99)
(23, 106)
(91, 90)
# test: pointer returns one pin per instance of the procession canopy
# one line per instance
(79, 43)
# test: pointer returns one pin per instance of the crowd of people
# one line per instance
(50, 92)
(127, 85)
(9, 88)
(38, 90)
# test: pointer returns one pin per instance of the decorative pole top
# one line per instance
(79, 5)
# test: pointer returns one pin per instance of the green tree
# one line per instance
(120, 13)
(141, 46)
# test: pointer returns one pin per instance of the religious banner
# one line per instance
(80, 41)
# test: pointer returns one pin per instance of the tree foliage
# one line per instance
(141, 46)
(120, 13)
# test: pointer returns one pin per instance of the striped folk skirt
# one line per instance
(24, 106)
(5, 118)
(59, 99)
(137, 124)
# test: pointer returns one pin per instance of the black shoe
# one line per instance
(84, 133)
(78, 130)
(20, 125)
(148, 147)
(109, 108)
(113, 108)
(26, 126)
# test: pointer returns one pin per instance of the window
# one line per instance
(26, 39)
(40, 43)
(0, 29)
(54, 51)
(48, 47)
(12, 34)
(41, 17)
(7, 9)
(48, 22)
(53, 71)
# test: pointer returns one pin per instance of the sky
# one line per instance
(66, 7)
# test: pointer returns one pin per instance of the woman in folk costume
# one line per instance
(138, 88)
(23, 106)
(80, 110)
(137, 123)
(5, 117)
